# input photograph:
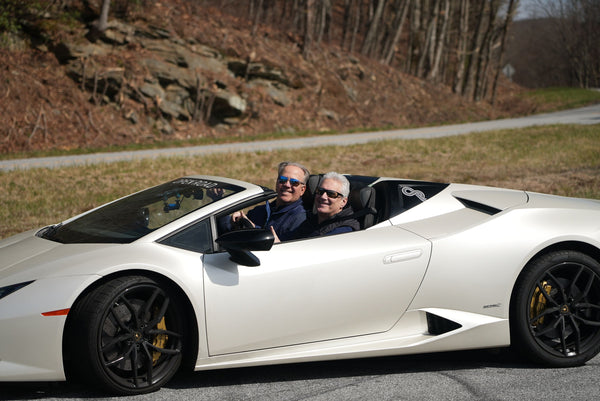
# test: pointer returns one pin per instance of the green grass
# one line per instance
(563, 160)
(564, 98)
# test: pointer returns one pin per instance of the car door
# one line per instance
(313, 290)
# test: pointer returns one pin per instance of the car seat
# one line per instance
(362, 201)
(308, 198)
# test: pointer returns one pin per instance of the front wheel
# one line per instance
(555, 311)
(126, 335)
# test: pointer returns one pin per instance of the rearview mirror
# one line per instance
(240, 243)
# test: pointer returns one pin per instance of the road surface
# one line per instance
(465, 376)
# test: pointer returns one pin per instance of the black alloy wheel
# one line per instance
(555, 312)
(127, 336)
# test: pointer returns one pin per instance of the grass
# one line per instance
(562, 160)
(564, 98)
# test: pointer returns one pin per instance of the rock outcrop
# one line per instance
(179, 76)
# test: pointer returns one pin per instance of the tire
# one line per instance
(555, 311)
(126, 336)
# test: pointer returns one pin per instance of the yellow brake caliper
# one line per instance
(160, 340)
(538, 303)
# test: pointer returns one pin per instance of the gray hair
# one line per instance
(283, 165)
(332, 175)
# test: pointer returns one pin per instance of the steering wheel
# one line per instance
(243, 222)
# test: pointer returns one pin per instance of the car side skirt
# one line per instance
(410, 335)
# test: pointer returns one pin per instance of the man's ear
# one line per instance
(344, 201)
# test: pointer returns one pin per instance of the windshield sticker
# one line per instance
(197, 183)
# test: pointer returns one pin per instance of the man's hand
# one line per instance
(277, 240)
(240, 219)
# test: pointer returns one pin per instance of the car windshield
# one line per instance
(133, 217)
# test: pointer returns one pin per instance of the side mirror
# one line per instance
(240, 243)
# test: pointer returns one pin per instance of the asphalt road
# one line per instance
(585, 115)
(465, 376)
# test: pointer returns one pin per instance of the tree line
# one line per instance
(459, 43)
(577, 23)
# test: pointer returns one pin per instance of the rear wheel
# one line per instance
(555, 311)
(127, 335)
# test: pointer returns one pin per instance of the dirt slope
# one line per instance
(45, 109)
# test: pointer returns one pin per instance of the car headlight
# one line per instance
(9, 289)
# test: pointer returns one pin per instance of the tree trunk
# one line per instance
(390, 48)
(103, 21)
(485, 55)
(258, 6)
(461, 47)
(474, 51)
(440, 45)
(370, 42)
(309, 28)
(414, 42)
(430, 38)
(512, 4)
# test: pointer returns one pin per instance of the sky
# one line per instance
(524, 8)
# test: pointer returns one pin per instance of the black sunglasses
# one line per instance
(282, 179)
(330, 193)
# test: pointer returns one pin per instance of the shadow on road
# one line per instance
(448, 361)
(352, 368)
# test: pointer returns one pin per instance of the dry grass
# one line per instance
(563, 160)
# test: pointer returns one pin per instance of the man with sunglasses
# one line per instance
(286, 213)
(331, 217)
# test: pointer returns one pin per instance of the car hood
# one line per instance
(26, 257)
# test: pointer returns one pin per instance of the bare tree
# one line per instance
(577, 23)
(255, 12)
(369, 46)
(459, 43)
(390, 46)
(98, 27)
(461, 46)
(323, 19)
(440, 46)
(474, 50)
(510, 11)
(485, 55)
(309, 28)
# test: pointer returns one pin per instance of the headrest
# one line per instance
(361, 198)
(362, 201)
(308, 198)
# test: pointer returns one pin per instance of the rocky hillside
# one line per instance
(181, 72)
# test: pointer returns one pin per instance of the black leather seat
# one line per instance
(362, 201)
(308, 198)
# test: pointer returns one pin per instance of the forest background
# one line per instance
(347, 64)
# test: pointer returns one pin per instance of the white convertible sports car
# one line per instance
(126, 294)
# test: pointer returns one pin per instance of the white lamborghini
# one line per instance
(124, 295)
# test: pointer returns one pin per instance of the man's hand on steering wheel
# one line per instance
(240, 220)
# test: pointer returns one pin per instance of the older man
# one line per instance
(331, 217)
(286, 213)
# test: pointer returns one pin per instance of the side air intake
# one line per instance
(480, 207)
(437, 325)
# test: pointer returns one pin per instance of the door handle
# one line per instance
(402, 256)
